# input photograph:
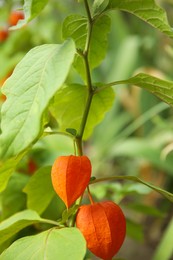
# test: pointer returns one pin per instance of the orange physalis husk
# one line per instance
(104, 227)
(15, 16)
(3, 34)
(70, 177)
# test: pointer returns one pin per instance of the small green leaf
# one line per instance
(99, 6)
(69, 104)
(145, 10)
(39, 190)
(29, 90)
(71, 131)
(93, 178)
(63, 244)
(67, 213)
(75, 26)
(17, 222)
(31, 8)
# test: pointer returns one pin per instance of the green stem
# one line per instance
(111, 84)
(52, 222)
(85, 115)
(88, 11)
(89, 195)
(88, 80)
(57, 133)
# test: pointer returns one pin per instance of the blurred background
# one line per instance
(135, 138)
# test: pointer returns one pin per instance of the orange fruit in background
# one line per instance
(104, 227)
(15, 16)
(3, 34)
(2, 81)
(70, 177)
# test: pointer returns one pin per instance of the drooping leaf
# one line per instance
(75, 26)
(32, 8)
(161, 88)
(17, 222)
(39, 190)
(146, 10)
(29, 90)
(69, 104)
(64, 244)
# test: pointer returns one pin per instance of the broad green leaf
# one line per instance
(146, 10)
(39, 190)
(12, 194)
(15, 223)
(165, 248)
(69, 104)
(31, 8)
(63, 244)
(75, 26)
(164, 193)
(29, 90)
(6, 169)
(163, 89)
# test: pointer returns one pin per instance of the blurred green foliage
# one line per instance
(136, 136)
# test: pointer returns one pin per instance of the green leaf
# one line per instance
(75, 26)
(12, 194)
(164, 193)
(6, 169)
(39, 190)
(71, 131)
(67, 213)
(161, 88)
(17, 222)
(29, 90)
(99, 6)
(32, 8)
(146, 10)
(63, 244)
(69, 104)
